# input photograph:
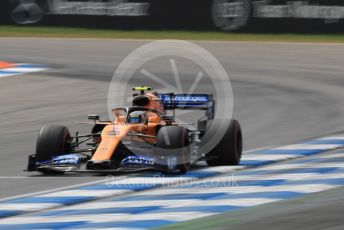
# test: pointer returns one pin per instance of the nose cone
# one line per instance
(141, 100)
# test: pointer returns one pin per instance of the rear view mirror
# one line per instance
(93, 117)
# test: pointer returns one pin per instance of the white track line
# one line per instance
(51, 190)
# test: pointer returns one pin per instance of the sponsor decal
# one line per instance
(171, 163)
(104, 8)
(235, 14)
(184, 98)
(72, 159)
(297, 9)
(113, 132)
(231, 15)
(137, 161)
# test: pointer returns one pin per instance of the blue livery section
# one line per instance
(66, 159)
(63, 160)
(137, 161)
(186, 101)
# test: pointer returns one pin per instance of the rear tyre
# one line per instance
(229, 150)
(53, 140)
(172, 143)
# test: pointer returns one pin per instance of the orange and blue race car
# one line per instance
(144, 136)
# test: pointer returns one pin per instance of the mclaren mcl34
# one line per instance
(144, 136)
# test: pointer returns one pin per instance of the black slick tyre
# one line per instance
(229, 150)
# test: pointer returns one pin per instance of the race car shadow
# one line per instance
(105, 173)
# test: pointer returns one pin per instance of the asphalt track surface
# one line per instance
(283, 93)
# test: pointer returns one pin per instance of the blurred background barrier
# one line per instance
(227, 15)
(4, 12)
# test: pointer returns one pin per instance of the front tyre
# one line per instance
(172, 144)
(53, 140)
(229, 150)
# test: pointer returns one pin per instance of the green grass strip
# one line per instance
(61, 32)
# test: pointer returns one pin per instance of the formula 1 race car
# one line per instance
(141, 137)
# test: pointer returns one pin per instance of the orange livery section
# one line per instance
(110, 138)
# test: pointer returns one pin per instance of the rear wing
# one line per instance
(172, 101)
